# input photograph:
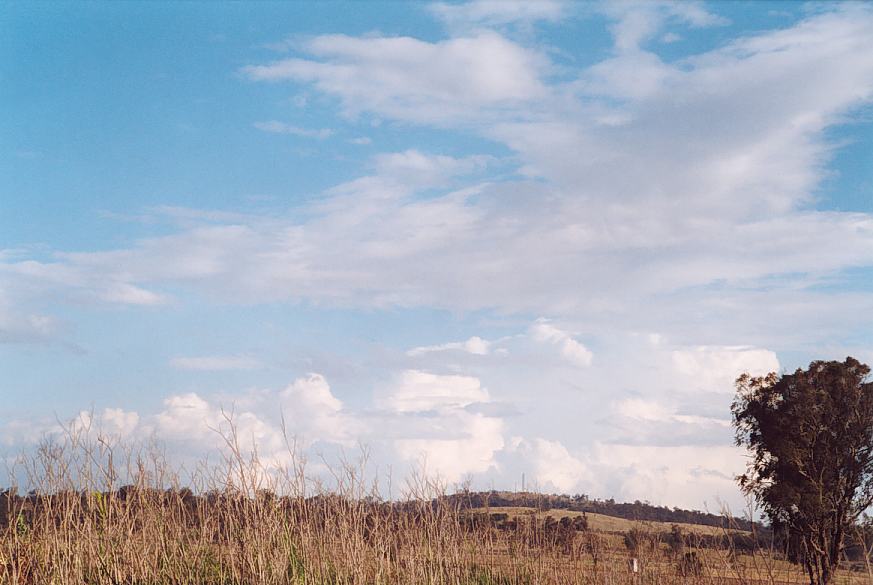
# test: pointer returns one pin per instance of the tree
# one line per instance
(810, 435)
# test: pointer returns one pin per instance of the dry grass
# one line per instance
(231, 528)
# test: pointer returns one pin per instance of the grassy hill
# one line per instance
(635, 511)
(605, 523)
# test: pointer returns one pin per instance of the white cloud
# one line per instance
(641, 409)
(417, 391)
(637, 22)
(474, 345)
(216, 363)
(445, 438)
(672, 199)
(276, 127)
(26, 328)
(410, 79)
(488, 13)
(632, 76)
(550, 466)
(690, 475)
(111, 424)
(574, 352)
(315, 413)
(583, 440)
(128, 294)
(413, 168)
(312, 392)
(18, 432)
(305, 412)
(479, 439)
(186, 417)
(714, 369)
(663, 208)
(119, 422)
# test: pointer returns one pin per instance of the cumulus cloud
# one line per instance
(641, 409)
(453, 427)
(550, 466)
(187, 416)
(314, 413)
(674, 422)
(417, 391)
(714, 369)
(571, 350)
(304, 413)
(451, 460)
(111, 423)
(682, 394)
(663, 474)
(119, 421)
(455, 442)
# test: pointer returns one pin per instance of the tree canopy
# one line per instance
(810, 435)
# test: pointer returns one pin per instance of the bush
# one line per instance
(636, 539)
(676, 540)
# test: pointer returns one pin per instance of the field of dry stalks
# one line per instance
(101, 515)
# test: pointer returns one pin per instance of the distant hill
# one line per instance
(642, 511)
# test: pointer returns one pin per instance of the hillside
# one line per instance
(603, 522)
(636, 511)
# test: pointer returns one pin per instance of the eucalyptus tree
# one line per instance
(810, 436)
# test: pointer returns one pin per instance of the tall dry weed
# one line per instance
(111, 514)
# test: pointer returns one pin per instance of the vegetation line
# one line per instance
(111, 514)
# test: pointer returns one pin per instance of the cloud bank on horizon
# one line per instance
(529, 254)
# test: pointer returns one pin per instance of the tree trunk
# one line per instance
(821, 555)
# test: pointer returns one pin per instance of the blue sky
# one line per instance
(492, 237)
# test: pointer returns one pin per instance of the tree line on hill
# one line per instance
(642, 511)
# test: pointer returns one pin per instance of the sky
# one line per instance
(480, 239)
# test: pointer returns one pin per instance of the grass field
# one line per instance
(720, 565)
(112, 516)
